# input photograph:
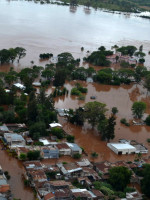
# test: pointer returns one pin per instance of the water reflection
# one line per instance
(73, 9)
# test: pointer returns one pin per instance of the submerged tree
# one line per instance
(94, 112)
(138, 109)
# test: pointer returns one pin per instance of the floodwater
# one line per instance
(113, 96)
(15, 169)
(55, 29)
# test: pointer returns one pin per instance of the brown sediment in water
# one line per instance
(121, 97)
(15, 169)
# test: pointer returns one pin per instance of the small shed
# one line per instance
(120, 148)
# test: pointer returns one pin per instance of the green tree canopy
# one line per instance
(138, 109)
(94, 112)
(119, 177)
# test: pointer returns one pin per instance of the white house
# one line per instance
(14, 140)
(120, 148)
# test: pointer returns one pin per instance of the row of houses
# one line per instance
(50, 150)
(61, 186)
(54, 150)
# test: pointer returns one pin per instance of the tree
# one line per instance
(104, 77)
(145, 183)
(33, 155)
(94, 155)
(23, 156)
(107, 128)
(21, 52)
(94, 112)
(147, 121)
(147, 82)
(127, 50)
(138, 109)
(60, 77)
(119, 177)
(141, 48)
(114, 110)
(13, 54)
(139, 73)
(38, 127)
(58, 132)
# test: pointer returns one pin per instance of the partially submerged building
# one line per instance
(122, 148)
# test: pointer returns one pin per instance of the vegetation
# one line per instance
(114, 110)
(9, 55)
(138, 109)
(146, 180)
(94, 112)
(106, 128)
(94, 155)
(57, 132)
(147, 121)
(124, 121)
(70, 138)
(99, 57)
(77, 156)
(23, 156)
(119, 177)
(116, 5)
(33, 155)
(45, 55)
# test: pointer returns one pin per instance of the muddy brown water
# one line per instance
(55, 29)
(113, 96)
(15, 169)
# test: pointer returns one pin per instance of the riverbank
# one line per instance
(125, 6)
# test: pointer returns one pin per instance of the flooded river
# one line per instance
(55, 29)
(51, 28)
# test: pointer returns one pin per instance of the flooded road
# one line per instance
(54, 29)
(15, 169)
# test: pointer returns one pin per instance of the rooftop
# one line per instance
(14, 136)
(121, 146)
(53, 125)
(74, 146)
(62, 146)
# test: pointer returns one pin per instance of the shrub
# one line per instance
(75, 91)
(148, 140)
(124, 121)
(58, 132)
(107, 191)
(83, 90)
(77, 156)
(129, 189)
(70, 138)
(147, 121)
